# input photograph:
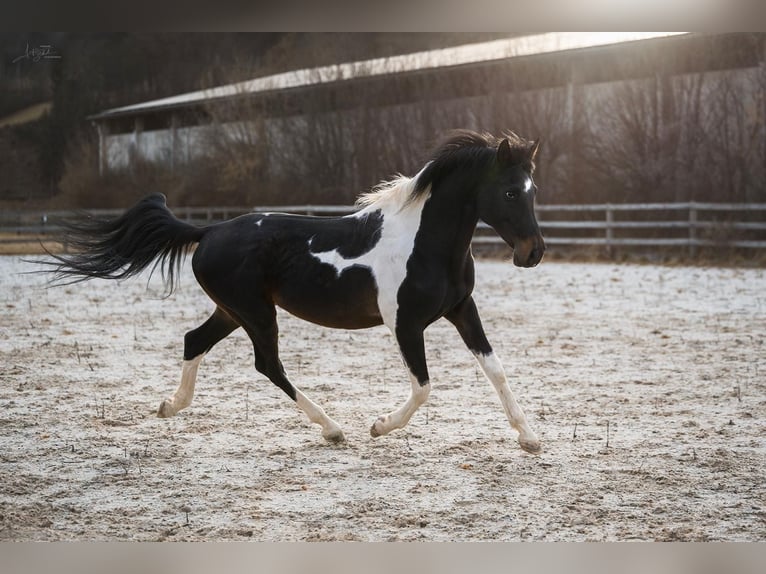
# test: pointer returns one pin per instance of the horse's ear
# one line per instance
(504, 154)
(529, 160)
(532, 153)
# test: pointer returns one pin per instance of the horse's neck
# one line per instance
(447, 226)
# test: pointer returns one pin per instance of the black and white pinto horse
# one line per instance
(403, 260)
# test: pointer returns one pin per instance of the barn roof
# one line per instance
(444, 57)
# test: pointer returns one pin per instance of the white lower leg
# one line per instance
(401, 416)
(494, 371)
(331, 431)
(185, 392)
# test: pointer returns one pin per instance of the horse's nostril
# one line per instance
(535, 255)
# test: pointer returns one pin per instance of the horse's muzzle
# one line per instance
(528, 252)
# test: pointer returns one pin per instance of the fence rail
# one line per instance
(705, 225)
(687, 225)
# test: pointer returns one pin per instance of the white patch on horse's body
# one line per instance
(495, 372)
(387, 260)
(185, 392)
(335, 259)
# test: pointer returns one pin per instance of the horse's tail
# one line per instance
(123, 247)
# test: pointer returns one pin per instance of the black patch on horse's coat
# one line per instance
(204, 337)
(352, 237)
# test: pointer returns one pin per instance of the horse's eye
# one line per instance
(512, 194)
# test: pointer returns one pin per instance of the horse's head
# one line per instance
(506, 201)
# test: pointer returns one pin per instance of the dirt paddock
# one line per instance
(646, 385)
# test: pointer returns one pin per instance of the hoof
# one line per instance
(166, 410)
(335, 437)
(376, 429)
(532, 446)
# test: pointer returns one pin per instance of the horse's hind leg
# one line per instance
(264, 333)
(196, 344)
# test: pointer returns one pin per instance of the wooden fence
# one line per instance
(687, 226)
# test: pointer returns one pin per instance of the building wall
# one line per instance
(157, 146)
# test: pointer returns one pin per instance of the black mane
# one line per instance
(466, 149)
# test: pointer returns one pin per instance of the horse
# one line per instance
(403, 259)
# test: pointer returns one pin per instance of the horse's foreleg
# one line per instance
(466, 319)
(196, 344)
(412, 348)
(495, 372)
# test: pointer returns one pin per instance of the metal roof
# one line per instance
(444, 57)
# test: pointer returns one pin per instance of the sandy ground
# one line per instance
(646, 385)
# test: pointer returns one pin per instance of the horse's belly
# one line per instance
(343, 301)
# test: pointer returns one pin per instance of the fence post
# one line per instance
(692, 229)
(609, 229)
